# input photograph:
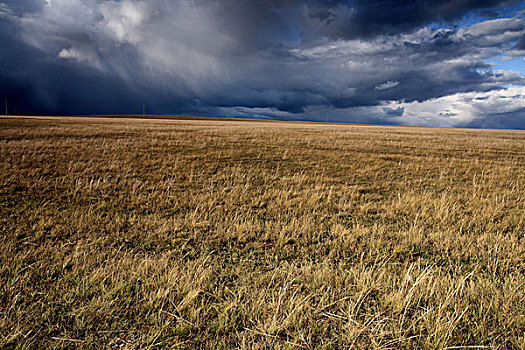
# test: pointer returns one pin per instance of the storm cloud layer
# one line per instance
(396, 62)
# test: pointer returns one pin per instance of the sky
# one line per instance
(447, 63)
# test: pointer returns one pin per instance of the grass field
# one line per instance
(130, 233)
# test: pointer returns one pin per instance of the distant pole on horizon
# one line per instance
(143, 110)
(5, 98)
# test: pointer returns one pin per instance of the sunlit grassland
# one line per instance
(231, 234)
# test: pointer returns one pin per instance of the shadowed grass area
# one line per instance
(129, 233)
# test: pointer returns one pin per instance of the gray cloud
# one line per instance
(365, 19)
(269, 58)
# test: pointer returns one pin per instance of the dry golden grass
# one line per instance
(121, 233)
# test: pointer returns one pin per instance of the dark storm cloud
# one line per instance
(365, 18)
(520, 45)
(398, 112)
(349, 59)
(505, 120)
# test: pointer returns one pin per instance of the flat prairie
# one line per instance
(208, 234)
